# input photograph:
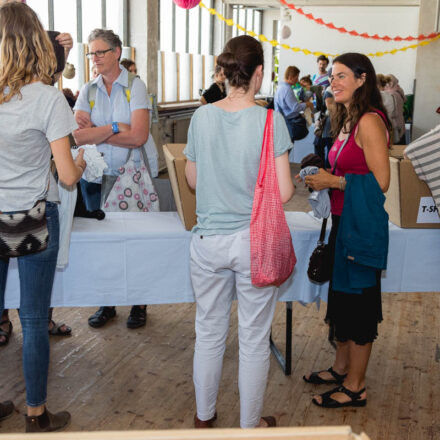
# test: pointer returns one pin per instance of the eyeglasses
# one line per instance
(98, 54)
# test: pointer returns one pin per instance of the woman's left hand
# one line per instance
(321, 180)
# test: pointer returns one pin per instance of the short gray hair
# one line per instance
(108, 36)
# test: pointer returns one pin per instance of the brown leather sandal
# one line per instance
(6, 334)
(270, 420)
(200, 424)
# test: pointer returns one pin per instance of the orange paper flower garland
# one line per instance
(355, 33)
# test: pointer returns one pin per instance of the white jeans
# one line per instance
(220, 267)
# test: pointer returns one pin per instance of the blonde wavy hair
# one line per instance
(26, 53)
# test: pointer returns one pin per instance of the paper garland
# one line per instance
(274, 43)
(355, 33)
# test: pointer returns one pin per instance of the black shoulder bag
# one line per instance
(319, 269)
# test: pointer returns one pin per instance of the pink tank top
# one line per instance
(350, 161)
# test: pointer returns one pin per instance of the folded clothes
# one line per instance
(319, 200)
(95, 162)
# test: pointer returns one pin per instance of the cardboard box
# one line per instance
(409, 202)
(184, 196)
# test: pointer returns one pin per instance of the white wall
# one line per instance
(392, 21)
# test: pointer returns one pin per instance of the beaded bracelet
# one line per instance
(342, 183)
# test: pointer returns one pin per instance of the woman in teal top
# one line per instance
(223, 151)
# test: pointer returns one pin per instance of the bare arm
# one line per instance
(135, 134)
(282, 166)
(372, 138)
(203, 100)
(191, 173)
(69, 170)
(87, 133)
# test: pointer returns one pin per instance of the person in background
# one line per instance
(35, 121)
(324, 140)
(130, 65)
(353, 317)
(94, 73)
(217, 90)
(322, 77)
(70, 97)
(397, 119)
(223, 151)
(286, 102)
(306, 93)
(114, 125)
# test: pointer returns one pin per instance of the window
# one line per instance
(166, 25)
(115, 16)
(65, 21)
(91, 17)
(249, 18)
(186, 58)
(64, 13)
(41, 7)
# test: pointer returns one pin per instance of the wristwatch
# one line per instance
(115, 127)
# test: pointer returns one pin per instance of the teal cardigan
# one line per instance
(362, 238)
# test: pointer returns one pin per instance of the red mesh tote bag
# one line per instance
(272, 254)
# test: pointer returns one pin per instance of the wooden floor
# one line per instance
(119, 379)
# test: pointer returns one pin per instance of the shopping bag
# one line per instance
(272, 254)
(133, 189)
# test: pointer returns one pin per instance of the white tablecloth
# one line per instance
(303, 147)
(138, 258)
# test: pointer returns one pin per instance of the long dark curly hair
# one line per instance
(366, 98)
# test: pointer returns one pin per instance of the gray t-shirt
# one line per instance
(27, 125)
(226, 147)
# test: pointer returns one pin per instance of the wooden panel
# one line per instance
(313, 433)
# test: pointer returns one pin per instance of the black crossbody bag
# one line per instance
(319, 269)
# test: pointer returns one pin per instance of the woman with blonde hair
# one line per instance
(35, 121)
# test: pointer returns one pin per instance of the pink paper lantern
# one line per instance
(187, 4)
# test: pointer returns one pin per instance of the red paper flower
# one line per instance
(187, 4)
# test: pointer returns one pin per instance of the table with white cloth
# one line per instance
(143, 258)
(303, 147)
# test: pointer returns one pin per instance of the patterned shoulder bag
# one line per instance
(24, 232)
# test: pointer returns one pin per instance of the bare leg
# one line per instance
(340, 364)
(359, 356)
(35, 410)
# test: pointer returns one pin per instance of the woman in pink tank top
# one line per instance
(353, 318)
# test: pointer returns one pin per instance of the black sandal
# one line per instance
(316, 379)
(329, 402)
(5, 334)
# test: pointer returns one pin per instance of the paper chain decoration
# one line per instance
(355, 33)
(274, 43)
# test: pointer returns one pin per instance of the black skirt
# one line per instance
(352, 316)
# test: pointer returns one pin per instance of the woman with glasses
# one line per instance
(115, 121)
(35, 121)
